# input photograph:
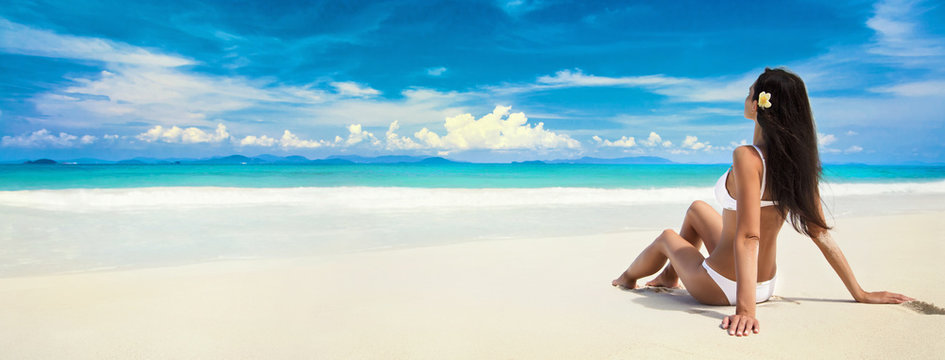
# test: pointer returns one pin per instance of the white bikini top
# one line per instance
(721, 191)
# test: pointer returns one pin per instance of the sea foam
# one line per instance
(395, 198)
(367, 198)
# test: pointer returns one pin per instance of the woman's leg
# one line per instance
(687, 261)
(701, 224)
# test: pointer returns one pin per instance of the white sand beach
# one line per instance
(519, 297)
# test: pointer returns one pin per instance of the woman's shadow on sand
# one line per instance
(675, 299)
(678, 299)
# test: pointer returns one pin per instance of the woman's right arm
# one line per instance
(838, 262)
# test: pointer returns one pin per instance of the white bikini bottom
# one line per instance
(763, 290)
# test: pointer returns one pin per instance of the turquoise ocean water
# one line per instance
(474, 176)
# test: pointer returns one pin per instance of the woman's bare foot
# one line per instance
(624, 282)
(665, 280)
(668, 278)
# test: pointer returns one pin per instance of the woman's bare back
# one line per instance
(722, 258)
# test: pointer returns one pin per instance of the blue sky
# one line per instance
(470, 80)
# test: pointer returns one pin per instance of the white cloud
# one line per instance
(727, 89)
(164, 96)
(356, 135)
(191, 135)
(252, 140)
(349, 88)
(21, 39)
(655, 140)
(437, 71)
(578, 78)
(625, 142)
(163, 93)
(678, 89)
(143, 85)
(902, 43)
(519, 7)
(290, 140)
(397, 142)
(692, 143)
(431, 139)
(825, 139)
(917, 88)
(87, 139)
(852, 133)
(897, 34)
(498, 130)
(41, 138)
(733, 144)
(850, 150)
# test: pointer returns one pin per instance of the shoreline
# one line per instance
(524, 298)
(55, 233)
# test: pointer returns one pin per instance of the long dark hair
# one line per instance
(788, 132)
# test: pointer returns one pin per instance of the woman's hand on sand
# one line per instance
(883, 297)
(741, 325)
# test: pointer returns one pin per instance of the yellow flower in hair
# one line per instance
(764, 100)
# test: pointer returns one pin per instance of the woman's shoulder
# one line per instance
(746, 157)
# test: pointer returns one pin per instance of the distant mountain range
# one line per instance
(355, 159)
(241, 160)
(332, 160)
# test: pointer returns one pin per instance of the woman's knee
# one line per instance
(701, 212)
(698, 205)
(668, 233)
(662, 242)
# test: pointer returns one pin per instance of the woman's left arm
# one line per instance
(839, 264)
(831, 251)
(748, 167)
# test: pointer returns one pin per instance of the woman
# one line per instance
(772, 180)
